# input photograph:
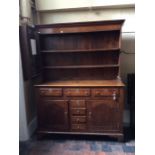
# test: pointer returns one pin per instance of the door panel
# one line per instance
(103, 115)
(53, 115)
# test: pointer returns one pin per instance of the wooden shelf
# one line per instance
(81, 66)
(83, 70)
(80, 50)
(83, 83)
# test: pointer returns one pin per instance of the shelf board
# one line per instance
(81, 66)
(83, 83)
(80, 50)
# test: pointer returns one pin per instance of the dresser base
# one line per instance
(118, 136)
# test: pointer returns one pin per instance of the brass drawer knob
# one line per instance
(77, 91)
(97, 93)
(114, 96)
(78, 103)
(66, 112)
(90, 113)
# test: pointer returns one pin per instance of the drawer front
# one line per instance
(78, 126)
(78, 119)
(50, 92)
(78, 111)
(77, 104)
(99, 92)
(76, 92)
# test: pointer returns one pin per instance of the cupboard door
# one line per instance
(103, 115)
(53, 115)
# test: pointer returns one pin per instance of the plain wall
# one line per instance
(43, 5)
(23, 126)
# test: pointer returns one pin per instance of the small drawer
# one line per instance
(77, 104)
(78, 119)
(99, 92)
(77, 92)
(78, 111)
(78, 126)
(54, 92)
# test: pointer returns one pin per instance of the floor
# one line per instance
(78, 145)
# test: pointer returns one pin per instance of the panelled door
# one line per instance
(53, 115)
(103, 115)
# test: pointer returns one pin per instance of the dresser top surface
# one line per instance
(83, 83)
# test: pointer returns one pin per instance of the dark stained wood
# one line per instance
(91, 23)
(78, 127)
(79, 51)
(81, 91)
(80, 27)
(53, 115)
(108, 109)
(108, 40)
(77, 104)
(78, 119)
(31, 63)
(79, 59)
(76, 92)
(50, 92)
(78, 111)
(106, 73)
(97, 92)
(64, 30)
(80, 66)
(32, 72)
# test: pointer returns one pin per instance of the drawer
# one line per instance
(78, 111)
(78, 126)
(77, 92)
(50, 92)
(78, 119)
(98, 92)
(77, 104)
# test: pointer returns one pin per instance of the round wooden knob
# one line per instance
(114, 96)
(66, 112)
(78, 103)
(97, 93)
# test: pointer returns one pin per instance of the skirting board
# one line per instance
(32, 126)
